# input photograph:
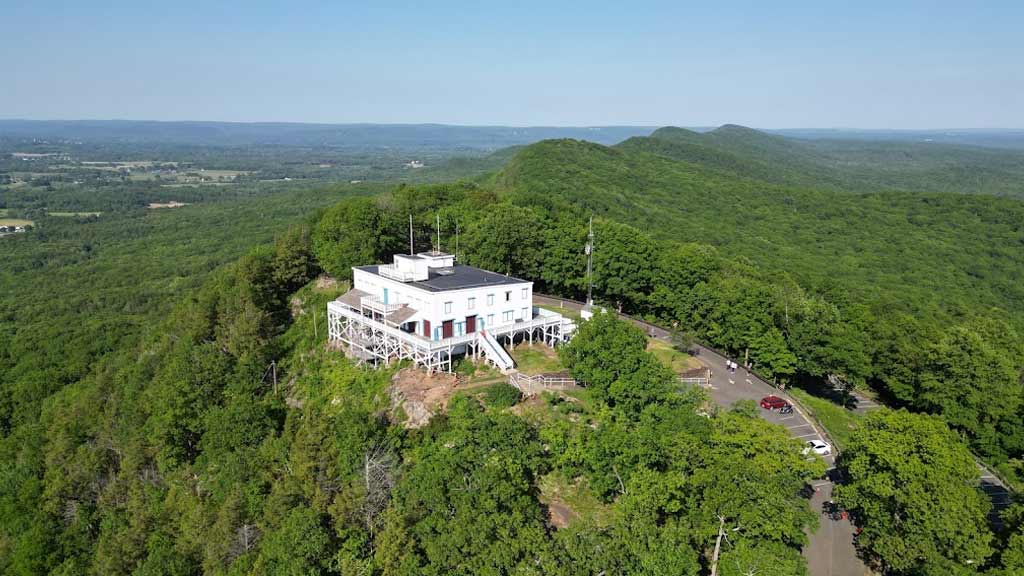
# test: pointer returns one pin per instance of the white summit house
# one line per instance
(427, 308)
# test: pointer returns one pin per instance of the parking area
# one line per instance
(830, 550)
(726, 388)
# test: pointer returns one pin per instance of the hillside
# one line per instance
(927, 250)
(848, 165)
(166, 414)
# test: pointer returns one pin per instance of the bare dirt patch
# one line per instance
(171, 204)
(528, 405)
(560, 515)
(568, 500)
(295, 305)
(325, 283)
(421, 395)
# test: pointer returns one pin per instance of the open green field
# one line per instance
(72, 214)
(669, 356)
(195, 184)
(839, 421)
(15, 222)
(568, 313)
(533, 359)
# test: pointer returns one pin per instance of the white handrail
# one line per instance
(413, 339)
(498, 355)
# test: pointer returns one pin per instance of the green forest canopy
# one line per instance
(155, 445)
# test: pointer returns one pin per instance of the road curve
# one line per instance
(830, 550)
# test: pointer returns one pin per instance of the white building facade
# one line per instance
(428, 308)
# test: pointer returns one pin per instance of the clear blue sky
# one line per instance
(762, 64)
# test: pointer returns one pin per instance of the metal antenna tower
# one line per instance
(590, 257)
(412, 250)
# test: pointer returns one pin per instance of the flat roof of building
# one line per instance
(457, 277)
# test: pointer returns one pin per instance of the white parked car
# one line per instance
(818, 447)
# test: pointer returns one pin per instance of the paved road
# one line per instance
(830, 550)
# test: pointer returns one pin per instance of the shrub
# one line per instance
(502, 395)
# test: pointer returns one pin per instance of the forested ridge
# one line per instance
(917, 295)
(172, 452)
(853, 166)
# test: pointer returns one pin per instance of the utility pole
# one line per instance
(273, 367)
(315, 334)
(590, 256)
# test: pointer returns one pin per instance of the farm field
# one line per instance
(15, 222)
(72, 214)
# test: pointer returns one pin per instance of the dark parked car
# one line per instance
(773, 402)
(787, 409)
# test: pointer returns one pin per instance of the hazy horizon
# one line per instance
(697, 127)
(873, 66)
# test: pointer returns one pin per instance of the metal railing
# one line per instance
(393, 272)
(409, 338)
(377, 304)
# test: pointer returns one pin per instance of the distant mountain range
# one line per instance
(419, 136)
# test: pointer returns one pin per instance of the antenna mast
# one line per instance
(412, 250)
(590, 257)
(438, 249)
(456, 239)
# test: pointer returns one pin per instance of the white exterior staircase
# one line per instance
(494, 351)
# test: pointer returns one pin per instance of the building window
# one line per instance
(490, 299)
(447, 307)
(471, 304)
(508, 296)
(460, 328)
(524, 293)
(490, 320)
(526, 313)
(507, 316)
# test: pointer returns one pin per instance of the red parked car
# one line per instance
(773, 402)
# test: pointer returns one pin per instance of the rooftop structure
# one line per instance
(427, 308)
